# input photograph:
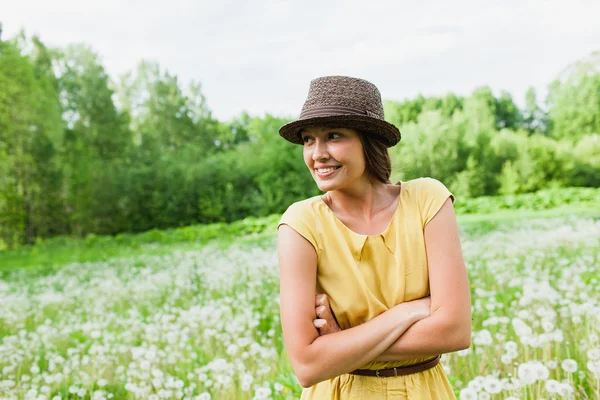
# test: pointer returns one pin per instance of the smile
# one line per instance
(326, 172)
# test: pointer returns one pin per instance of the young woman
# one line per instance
(373, 285)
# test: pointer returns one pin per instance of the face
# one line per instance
(340, 148)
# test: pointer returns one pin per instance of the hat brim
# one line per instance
(388, 132)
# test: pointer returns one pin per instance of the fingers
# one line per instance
(321, 300)
(321, 311)
(319, 323)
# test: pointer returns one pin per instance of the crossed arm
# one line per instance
(448, 328)
(397, 334)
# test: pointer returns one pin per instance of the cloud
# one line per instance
(261, 56)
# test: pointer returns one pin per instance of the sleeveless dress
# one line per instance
(365, 275)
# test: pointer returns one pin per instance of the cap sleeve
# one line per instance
(301, 219)
(433, 194)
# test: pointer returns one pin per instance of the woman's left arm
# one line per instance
(448, 328)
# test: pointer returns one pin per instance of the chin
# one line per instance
(325, 186)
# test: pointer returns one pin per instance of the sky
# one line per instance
(260, 56)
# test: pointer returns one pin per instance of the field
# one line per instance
(184, 321)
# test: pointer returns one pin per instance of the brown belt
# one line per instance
(396, 371)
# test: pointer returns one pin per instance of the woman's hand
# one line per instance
(325, 322)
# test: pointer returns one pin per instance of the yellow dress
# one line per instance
(365, 275)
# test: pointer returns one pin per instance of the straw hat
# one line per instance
(344, 102)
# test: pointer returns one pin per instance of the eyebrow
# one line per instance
(330, 130)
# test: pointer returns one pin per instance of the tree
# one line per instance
(165, 114)
(534, 118)
(574, 106)
(508, 114)
(30, 124)
(88, 104)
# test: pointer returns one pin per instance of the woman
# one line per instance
(372, 275)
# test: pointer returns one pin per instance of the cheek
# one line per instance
(307, 158)
(351, 156)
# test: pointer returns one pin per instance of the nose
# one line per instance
(320, 150)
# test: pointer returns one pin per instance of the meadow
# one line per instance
(175, 319)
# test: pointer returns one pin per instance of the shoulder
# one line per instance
(426, 186)
(307, 207)
(303, 217)
(429, 195)
(423, 183)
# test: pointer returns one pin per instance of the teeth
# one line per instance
(325, 170)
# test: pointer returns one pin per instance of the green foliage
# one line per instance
(575, 106)
(482, 213)
(30, 128)
(541, 200)
(534, 118)
(400, 113)
(167, 115)
(82, 155)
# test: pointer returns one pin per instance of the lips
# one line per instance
(326, 174)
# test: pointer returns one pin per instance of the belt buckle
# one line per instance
(377, 372)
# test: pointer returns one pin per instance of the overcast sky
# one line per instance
(260, 56)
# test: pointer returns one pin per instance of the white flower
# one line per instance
(510, 384)
(506, 359)
(492, 385)
(569, 365)
(526, 373)
(468, 394)
(232, 349)
(594, 354)
(564, 389)
(594, 366)
(541, 371)
(262, 393)
(552, 385)
(547, 325)
(510, 346)
(484, 396)
(475, 385)
(521, 328)
(483, 338)
(247, 380)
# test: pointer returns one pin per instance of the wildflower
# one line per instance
(569, 365)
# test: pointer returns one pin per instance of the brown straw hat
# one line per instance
(343, 102)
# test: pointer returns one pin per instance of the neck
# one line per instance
(362, 201)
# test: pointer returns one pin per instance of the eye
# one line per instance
(335, 133)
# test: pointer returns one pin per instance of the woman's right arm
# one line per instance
(317, 358)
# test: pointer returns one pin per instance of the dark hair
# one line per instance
(378, 164)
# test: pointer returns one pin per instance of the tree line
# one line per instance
(82, 153)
